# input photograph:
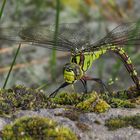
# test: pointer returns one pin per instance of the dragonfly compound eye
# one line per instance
(72, 72)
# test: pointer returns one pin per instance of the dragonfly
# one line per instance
(77, 40)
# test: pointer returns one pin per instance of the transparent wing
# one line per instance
(124, 34)
(70, 36)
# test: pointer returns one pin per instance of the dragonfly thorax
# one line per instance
(72, 72)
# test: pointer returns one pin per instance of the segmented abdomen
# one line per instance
(127, 62)
(86, 59)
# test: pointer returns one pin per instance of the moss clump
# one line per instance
(93, 104)
(116, 103)
(136, 100)
(127, 98)
(130, 93)
(35, 128)
(20, 97)
(123, 121)
(23, 98)
(115, 123)
(67, 99)
(89, 102)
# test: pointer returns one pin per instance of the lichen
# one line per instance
(35, 128)
(123, 121)
(93, 104)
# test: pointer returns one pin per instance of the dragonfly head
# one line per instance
(72, 72)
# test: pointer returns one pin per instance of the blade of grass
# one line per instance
(2, 8)
(101, 62)
(1, 11)
(53, 58)
(42, 86)
(13, 62)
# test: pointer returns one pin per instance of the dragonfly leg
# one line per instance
(53, 94)
(99, 81)
(84, 82)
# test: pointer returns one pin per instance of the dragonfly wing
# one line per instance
(45, 37)
(71, 37)
(10, 34)
(124, 34)
(38, 35)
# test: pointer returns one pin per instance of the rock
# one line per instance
(87, 126)
(2, 123)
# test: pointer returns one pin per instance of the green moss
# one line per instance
(126, 98)
(130, 93)
(116, 103)
(93, 104)
(20, 97)
(23, 98)
(115, 123)
(123, 121)
(136, 100)
(120, 94)
(89, 102)
(67, 99)
(35, 128)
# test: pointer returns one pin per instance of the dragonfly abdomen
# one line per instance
(127, 62)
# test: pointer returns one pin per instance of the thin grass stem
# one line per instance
(2, 8)
(53, 58)
(13, 62)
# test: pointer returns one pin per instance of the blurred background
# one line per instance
(33, 66)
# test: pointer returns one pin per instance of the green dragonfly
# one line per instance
(75, 38)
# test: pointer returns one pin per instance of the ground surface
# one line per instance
(87, 126)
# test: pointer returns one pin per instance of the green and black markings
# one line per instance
(85, 61)
(83, 51)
